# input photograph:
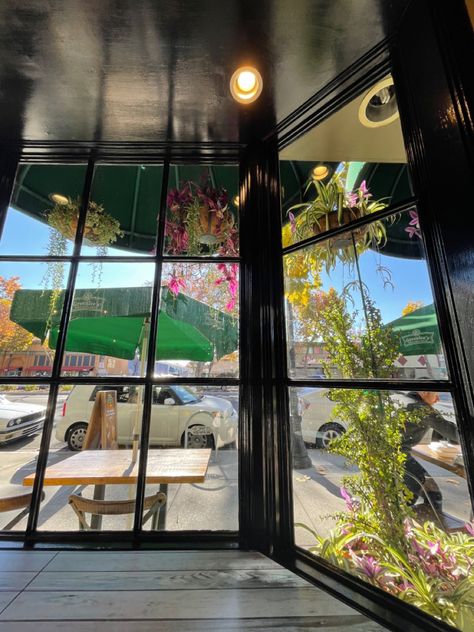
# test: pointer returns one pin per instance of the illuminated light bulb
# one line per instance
(246, 81)
(246, 84)
(58, 198)
(320, 172)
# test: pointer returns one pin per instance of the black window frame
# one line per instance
(58, 378)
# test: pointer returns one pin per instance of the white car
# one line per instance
(176, 411)
(315, 409)
(19, 420)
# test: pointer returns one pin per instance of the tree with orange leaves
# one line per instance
(411, 306)
(12, 336)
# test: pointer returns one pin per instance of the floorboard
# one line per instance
(173, 591)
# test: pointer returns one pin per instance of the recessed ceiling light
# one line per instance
(58, 198)
(320, 172)
(246, 84)
(379, 106)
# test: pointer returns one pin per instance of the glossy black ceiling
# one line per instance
(149, 70)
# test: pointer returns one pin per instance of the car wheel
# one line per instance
(76, 436)
(199, 440)
(328, 433)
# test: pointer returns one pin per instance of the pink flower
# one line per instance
(176, 284)
(368, 565)
(351, 199)
(363, 190)
(229, 276)
(469, 526)
(413, 228)
(351, 504)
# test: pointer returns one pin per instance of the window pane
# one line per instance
(110, 318)
(190, 421)
(35, 219)
(198, 330)
(202, 211)
(102, 418)
(22, 414)
(384, 490)
(360, 305)
(31, 299)
(123, 210)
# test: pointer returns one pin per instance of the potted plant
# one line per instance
(333, 206)
(199, 221)
(100, 230)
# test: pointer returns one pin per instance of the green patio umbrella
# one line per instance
(121, 336)
(418, 332)
(109, 321)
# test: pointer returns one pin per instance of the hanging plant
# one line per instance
(331, 207)
(100, 230)
(199, 221)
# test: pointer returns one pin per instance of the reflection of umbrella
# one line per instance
(418, 332)
(217, 326)
(120, 336)
(118, 332)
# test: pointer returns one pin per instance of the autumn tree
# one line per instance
(12, 336)
(411, 306)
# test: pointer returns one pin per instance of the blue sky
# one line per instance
(25, 235)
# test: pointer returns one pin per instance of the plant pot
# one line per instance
(209, 222)
(331, 220)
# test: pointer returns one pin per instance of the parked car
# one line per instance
(19, 420)
(208, 421)
(317, 428)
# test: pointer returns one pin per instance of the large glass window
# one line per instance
(100, 312)
(379, 484)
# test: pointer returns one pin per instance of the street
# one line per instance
(213, 504)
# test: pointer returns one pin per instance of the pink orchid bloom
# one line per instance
(351, 199)
(363, 190)
(413, 228)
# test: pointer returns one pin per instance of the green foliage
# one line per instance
(432, 572)
(333, 206)
(375, 423)
(101, 229)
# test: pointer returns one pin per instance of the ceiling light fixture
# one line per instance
(379, 106)
(246, 84)
(58, 198)
(320, 172)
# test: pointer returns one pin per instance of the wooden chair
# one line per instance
(21, 501)
(81, 506)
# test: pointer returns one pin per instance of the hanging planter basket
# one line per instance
(209, 222)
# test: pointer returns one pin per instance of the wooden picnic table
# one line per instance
(440, 455)
(114, 467)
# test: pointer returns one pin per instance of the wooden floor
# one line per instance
(170, 591)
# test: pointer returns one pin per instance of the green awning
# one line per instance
(418, 332)
(119, 313)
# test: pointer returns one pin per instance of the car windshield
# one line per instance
(186, 395)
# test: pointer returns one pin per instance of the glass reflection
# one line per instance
(22, 416)
(353, 293)
(42, 217)
(385, 494)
